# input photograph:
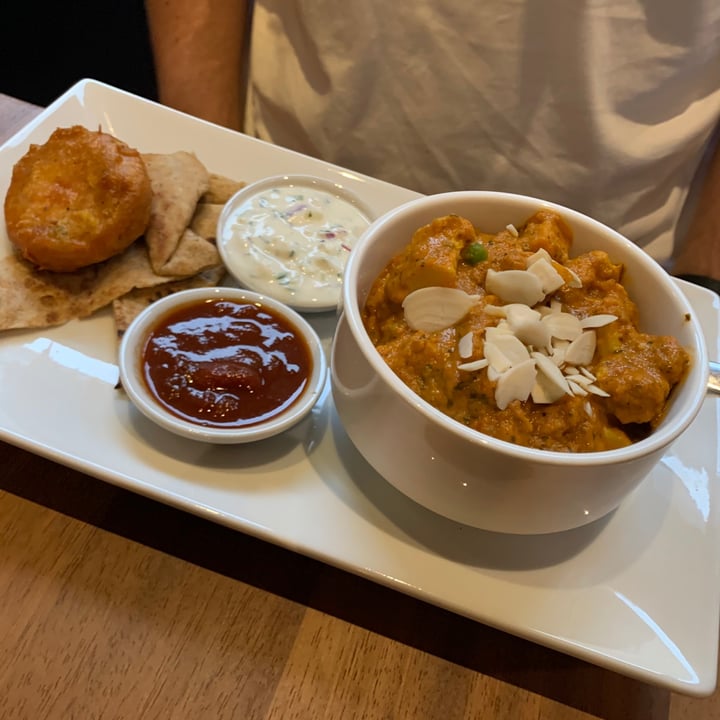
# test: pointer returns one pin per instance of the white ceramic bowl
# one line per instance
(468, 476)
(131, 374)
(263, 263)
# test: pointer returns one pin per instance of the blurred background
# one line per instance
(47, 46)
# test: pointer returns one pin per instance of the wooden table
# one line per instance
(115, 606)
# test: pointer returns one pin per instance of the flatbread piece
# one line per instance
(130, 305)
(178, 181)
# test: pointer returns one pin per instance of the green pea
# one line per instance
(475, 253)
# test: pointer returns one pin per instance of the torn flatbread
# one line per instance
(205, 219)
(192, 254)
(33, 298)
(178, 181)
(220, 189)
(130, 305)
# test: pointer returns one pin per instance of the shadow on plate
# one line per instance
(256, 466)
(370, 495)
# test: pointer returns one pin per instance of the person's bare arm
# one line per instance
(198, 49)
(699, 251)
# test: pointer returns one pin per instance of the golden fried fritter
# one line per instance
(80, 198)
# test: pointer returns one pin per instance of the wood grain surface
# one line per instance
(115, 606)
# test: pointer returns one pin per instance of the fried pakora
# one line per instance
(80, 198)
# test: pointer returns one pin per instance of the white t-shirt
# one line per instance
(605, 106)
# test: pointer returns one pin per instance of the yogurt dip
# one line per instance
(289, 237)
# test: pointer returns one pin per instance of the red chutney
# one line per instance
(223, 363)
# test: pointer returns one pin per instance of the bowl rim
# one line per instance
(328, 185)
(657, 440)
(131, 381)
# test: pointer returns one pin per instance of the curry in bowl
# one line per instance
(511, 336)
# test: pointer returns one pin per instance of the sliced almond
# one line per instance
(550, 279)
(544, 391)
(532, 333)
(493, 374)
(517, 312)
(502, 328)
(514, 286)
(596, 321)
(582, 349)
(510, 346)
(578, 379)
(495, 310)
(499, 362)
(553, 373)
(577, 389)
(595, 390)
(563, 326)
(541, 254)
(557, 353)
(436, 308)
(575, 281)
(465, 346)
(515, 384)
(475, 365)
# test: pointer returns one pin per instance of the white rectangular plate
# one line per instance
(638, 592)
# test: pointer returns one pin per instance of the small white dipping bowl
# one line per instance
(289, 236)
(470, 477)
(131, 373)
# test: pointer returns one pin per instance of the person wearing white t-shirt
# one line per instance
(609, 107)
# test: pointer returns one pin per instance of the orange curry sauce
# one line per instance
(637, 370)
